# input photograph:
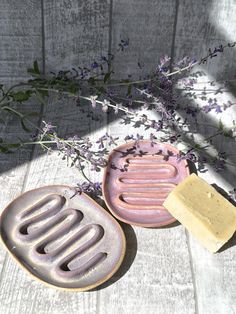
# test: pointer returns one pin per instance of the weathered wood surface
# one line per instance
(20, 43)
(212, 274)
(165, 270)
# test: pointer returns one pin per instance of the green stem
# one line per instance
(12, 110)
(129, 83)
(83, 173)
(216, 134)
(10, 89)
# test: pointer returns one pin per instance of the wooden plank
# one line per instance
(76, 33)
(155, 281)
(159, 279)
(214, 274)
(157, 273)
(149, 27)
(20, 35)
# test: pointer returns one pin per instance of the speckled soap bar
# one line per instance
(203, 211)
(64, 240)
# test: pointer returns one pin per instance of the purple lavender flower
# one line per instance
(94, 65)
(48, 127)
(162, 68)
(191, 111)
(112, 140)
(124, 43)
(222, 155)
(219, 164)
(105, 105)
(227, 105)
(212, 104)
(138, 139)
(93, 101)
(146, 106)
(101, 141)
(94, 167)
(218, 109)
(34, 136)
(117, 107)
(186, 156)
(104, 59)
(164, 60)
(129, 137)
(174, 138)
(152, 139)
(206, 108)
(168, 155)
(157, 125)
(143, 118)
(89, 188)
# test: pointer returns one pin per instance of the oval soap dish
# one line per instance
(138, 179)
(63, 239)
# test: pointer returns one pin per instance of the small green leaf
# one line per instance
(24, 125)
(35, 70)
(106, 77)
(73, 89)
(228, 133)
(101, 90)
(31, 114)
(21, 96)
(44, 93)
(40, 97)
(221, 126)
(23, 120)
(91, 80)
(31, 71)
(36, 67)
(4, 149)
(129, 90)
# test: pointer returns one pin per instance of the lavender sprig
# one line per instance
(154, 92)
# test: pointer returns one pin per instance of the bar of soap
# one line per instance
(203, 211)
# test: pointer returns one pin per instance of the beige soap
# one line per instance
(203, 211)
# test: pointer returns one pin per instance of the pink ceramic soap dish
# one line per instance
(137, 180)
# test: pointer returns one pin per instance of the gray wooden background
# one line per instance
(165, 270)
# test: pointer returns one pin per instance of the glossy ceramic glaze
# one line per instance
(63, 239)
(138, 179)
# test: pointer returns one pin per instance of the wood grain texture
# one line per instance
(21, 43)
(47, 169)
(149, 26)
(214, 275)
(170, 272)
(21, 38)
(76, 32)
(160, 279)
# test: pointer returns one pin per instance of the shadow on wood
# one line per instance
(232, 241)
(131, 250)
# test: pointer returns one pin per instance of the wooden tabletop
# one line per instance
(165, 270)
